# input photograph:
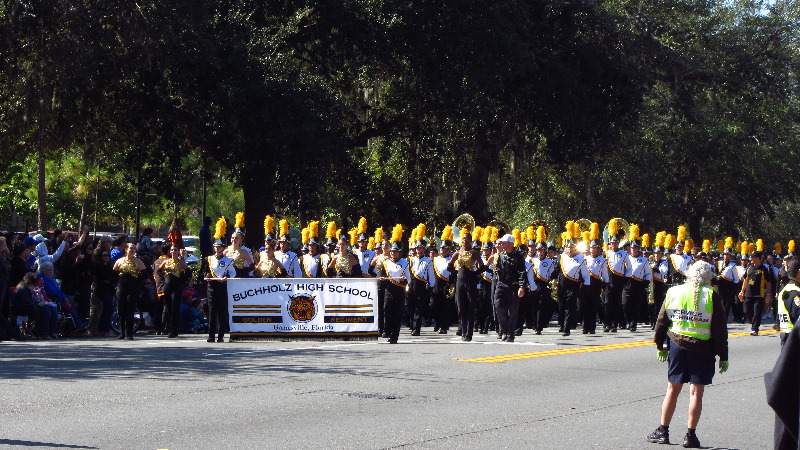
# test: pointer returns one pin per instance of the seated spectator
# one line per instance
(55, 294)
(191, 317)
(31, 300)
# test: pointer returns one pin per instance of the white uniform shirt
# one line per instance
(598, 267)
(290, 262)
(396, 270)
(638, 268)
(574, 268)
(660, 270)
(616, 261)
(222, 267)
(729, 271)
(309, 265)
(543, 269)
(364, 259)
(440, 267)
(422, 269)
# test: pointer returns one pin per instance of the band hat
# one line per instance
(634, 243)
(679, 244)
(531, 243)
(363, 237)
(488, 245)
(284, 238)
(396, 247)
(506, 238)
(614, 238)
(446, 244)
(269, 237)
(219, 243)
(595, 243)
(313, 240)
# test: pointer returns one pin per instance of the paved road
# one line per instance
(158, 393)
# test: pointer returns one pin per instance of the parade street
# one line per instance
(550, 392)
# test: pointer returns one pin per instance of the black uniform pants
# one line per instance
(506, 304)
(753, 307)
(128, 293)
(467, 299)
(418, 302)
(568, 293)
(441, 307)
(484, 316)
(659, 294)
(738, 305)
(590, 301)
(217, 309)
(632, 301)
(613, 301)
(395, 299)
(541, 300)
(173, 293)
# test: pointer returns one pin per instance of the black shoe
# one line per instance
(591, 332)
(658, 437)
(415, 333)
(614, 330)
(518, 332)
(505, 337)
(538, 332)
(435, 329)
(220, 339)
(172, 335)
(393, 341)
(606, 330)
(632, 329)
(466, 339)
(129, 337)
(585, 331)
(566, 333)
(442, 331)
(211, 339)
(510, 338)
(754, 333)
(691, 441)
(384, 335)
(458, 333)
(499, 336)
(121, 336)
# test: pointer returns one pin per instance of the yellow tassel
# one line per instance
(362, 225)
(221, 228)
(304, 233)
(660, 236)
(517, 236)
(707, 246)
(541, 234)
(594, 231)
(634, 232)
(378, 235)
(760, 245)
(447, 233)
(681, 233)
(239, 220)
(778, 248)
(397, 233)
(330, 233)
(269, 223)
(371, 243)
(669, 241)
(790, 246)
(284, 225)
(645, 240)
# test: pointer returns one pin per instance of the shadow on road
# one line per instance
(16, 442)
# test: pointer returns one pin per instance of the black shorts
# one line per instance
(689, 367)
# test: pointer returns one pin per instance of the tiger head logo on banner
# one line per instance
(302, 308)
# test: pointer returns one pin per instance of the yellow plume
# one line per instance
(447, 233)
(463, 231)
(477, 234)
(486, 234)
(720, 246)
(530, 233)
(594, 231)
(541, 234)
(221, 228)
(570, 229)
(660, 236)
(613, 228)
(353, 236)
(576, 230)
(397, 233)
(423, 230)
(760, 245)
(585, 236)
(330, 233)
(239, 220)
(495, 234)
(645, 240)
(378, 235)
(743, 247)
(778, 248)
(707, 246)
(669, 241)
(729, 242)
(751, 247)
(688, 244)
(313, 229)
(790, 246)
(284, 226)
(371, 243)
(305, 235)
(269, 224)
(681, 233)
(634, 232)
(517, 236)
(414, 235)
(562, 238)
(362, 225)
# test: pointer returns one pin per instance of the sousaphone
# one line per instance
(623, 231)
(502, 227)
(462, 221)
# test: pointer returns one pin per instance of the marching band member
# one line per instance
(287, 258)
(221, 268)
(468, 264)
(398, 275)
(344, 264)
(242, 256)
(638, 274)
(572, 276)
(313, 264)
(659, 269)
(598, 277)
(422, 281)
(364, 254)
(728, 276)
(441, 287)
(616, 260)
(485, 316)
(544, 270)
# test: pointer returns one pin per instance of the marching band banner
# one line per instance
(313, 307)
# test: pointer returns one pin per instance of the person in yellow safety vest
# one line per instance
(789, 300)
(690, 330)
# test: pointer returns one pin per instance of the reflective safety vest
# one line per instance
(681, 311)
(783, 313)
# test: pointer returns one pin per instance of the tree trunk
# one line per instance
(42, 194)
(476, 188)
(259, 200)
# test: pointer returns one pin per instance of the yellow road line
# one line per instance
(569, 351)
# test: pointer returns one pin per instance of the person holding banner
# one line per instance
(397, 274)
(220, 268)
(376, 269)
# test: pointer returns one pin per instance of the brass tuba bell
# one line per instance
(462, 221)
(623, 231)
